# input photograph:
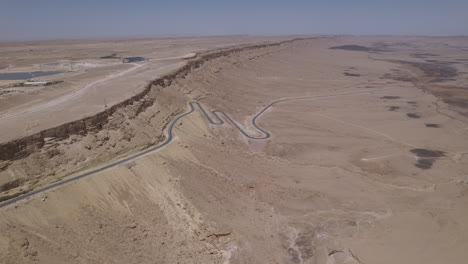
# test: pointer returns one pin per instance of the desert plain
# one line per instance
(324, 149)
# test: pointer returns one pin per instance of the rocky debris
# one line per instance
(218, 235)
(334, 252)
(413, 115)
(4, 165)
(464, 181)
(11, 185)
(133, 225)
(27, 250)
(50, 142)
(25, 243)
(49, 139)
(32, 253)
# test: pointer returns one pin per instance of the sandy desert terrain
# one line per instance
(92, 76)
(345, 149)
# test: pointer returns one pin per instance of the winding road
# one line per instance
(217, 120)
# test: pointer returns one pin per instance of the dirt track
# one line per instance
(349, 179)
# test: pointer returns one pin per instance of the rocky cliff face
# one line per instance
(124, 128)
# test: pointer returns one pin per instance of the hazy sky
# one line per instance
(51, 19)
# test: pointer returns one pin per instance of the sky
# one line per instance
(74, 19)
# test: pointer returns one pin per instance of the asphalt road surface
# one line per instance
(217, 120)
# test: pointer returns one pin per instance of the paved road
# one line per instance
(217, 120)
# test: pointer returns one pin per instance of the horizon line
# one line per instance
(169, 36)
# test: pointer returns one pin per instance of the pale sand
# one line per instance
(338, 181)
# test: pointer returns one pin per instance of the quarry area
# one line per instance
(302, 150)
